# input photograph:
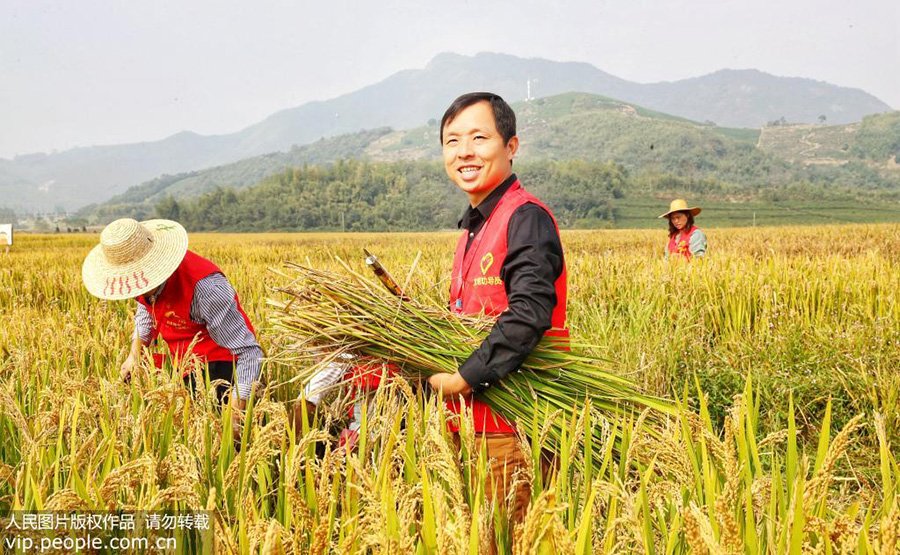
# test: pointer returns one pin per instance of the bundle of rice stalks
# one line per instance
(326, 315)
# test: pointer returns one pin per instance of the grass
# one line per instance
(740, 134)
(783, 351)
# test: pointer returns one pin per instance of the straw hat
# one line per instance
(133, 258)
(680, 205)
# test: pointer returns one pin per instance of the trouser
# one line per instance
(507, 462)
(505, 480)
(216, 370)
(505, 477)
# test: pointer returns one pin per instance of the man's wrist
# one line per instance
(460, 385)
(470, 376)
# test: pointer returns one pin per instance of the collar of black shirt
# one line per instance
(476, 215)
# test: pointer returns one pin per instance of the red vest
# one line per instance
(476, 287)
(680, 243)
(365, 377)
(172, 313)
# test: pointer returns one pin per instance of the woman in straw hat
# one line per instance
(685, 239)
(182, 297)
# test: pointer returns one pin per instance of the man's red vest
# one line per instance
(476, 287)
(172, 313)
(680, 243)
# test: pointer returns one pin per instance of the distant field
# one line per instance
(739, 134)
(640, 213)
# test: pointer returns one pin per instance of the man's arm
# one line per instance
(143, 325)
(215, 304)
(142, 335)
(533, 263)
(697, 245)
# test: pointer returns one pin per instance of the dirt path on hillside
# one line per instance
(812, 146)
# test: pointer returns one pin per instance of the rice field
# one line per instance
(782, 353)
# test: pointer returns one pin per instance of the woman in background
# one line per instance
(685, 239)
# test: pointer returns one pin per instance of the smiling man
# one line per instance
(508, 264)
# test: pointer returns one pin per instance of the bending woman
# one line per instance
(685, 239)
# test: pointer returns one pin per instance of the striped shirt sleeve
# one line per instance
(324, 379)
(215, 305)
(697, 245)
(143, 324)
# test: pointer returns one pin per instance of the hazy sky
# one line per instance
(77, 73)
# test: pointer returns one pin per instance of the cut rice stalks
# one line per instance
(325, 315)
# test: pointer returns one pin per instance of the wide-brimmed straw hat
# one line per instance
(680, 205)
(133, 258)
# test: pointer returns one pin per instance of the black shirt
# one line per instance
(534, 261)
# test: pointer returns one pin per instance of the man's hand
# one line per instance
(451, 384)
(298, 416)
(126, 369)
(134, 358)
(237, 416)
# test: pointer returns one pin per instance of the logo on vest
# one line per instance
(486, 262)
(173, 320)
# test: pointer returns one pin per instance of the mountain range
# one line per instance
(410, 98)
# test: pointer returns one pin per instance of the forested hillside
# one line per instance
(357, 195)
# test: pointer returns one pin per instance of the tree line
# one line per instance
(358, 195)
